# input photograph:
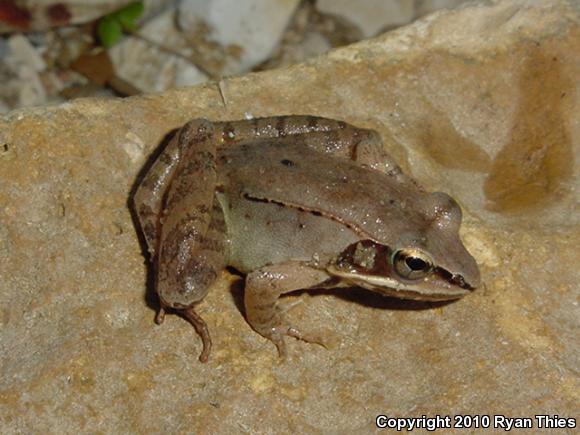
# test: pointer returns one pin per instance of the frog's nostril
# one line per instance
(287, 162)
(460, 281)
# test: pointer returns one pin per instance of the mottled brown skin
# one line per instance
(293, 202)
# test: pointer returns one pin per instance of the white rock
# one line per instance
(31, 92)
(26, 54)
(159, 61)
(374, 16)
(313, 44)
(255, 26)
(428, 6)
(21, 84)
(3, 107)
(370, 16)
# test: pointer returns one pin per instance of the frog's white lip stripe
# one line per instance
(380, 282)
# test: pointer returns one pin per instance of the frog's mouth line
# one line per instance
(391, 287)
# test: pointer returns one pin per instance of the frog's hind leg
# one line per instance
(210, 252)
(274, 127)
(263, 289)
(191, 247)
(149, 197)
(358, 144)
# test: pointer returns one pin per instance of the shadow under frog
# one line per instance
(296, 202)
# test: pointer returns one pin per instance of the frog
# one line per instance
(295, 202)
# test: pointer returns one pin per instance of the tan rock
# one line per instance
(481, 102)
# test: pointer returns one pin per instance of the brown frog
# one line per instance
(293, 202)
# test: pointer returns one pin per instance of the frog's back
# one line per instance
(371, 203)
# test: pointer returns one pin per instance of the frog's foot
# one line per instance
(264, 287)
(201, 328)
(198, 323)
(277, 336)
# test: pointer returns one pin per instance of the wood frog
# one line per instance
(295, 202)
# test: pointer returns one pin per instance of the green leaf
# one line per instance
(129, 15)
(109, 31)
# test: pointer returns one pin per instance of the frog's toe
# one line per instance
(201, 327)
(288, 306)
(160, 316)
(281, 346)
(277, 336)
(319, 337)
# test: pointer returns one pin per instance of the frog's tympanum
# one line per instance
(293, 203)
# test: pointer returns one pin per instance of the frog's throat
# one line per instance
(392, 287)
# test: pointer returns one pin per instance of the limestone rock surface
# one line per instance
(481, 102)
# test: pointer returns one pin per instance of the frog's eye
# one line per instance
(412, 263)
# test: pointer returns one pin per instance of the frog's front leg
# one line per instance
(263, 289)
(148, 199)
(192, 228)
